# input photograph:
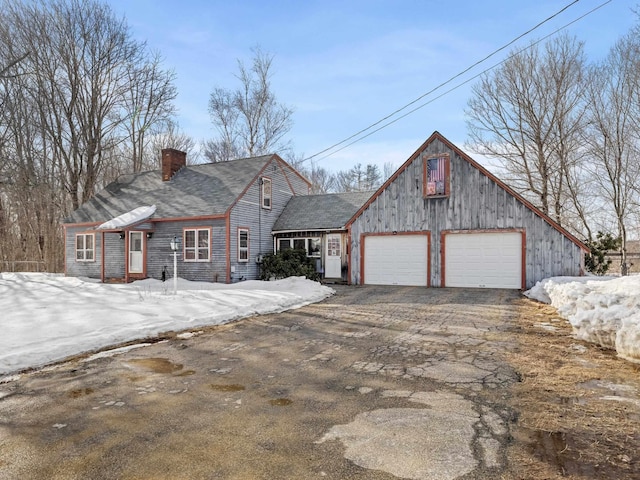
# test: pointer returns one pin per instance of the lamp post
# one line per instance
(175, 246)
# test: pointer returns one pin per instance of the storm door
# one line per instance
(136, 252)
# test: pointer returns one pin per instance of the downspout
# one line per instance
(348, 251)
(64, 228)
(260, 216)
(102, 256)
(126, 256)
(228, 242)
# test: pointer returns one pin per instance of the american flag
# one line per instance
(436, 169)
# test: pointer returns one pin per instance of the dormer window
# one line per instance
(436, 176)
(266, 193)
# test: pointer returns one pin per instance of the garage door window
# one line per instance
(436, 176)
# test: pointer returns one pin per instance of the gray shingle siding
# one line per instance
(160, 255)
(248, 213)
(78, 268)
(114, 261)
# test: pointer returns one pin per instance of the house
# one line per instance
(633, 258)
(221, 213)
(442, 220)
(317, 224)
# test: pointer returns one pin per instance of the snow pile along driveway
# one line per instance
(602, 310)
(47, 317)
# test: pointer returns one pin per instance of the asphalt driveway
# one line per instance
(374, 382)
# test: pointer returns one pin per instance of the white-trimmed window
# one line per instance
(266, 193)
(85, 247)
(312, 245)
(243, 244)
(197, 244)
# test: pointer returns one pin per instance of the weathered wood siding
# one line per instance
(476, 202)
(248, 213)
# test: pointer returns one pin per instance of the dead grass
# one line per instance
(565, 428)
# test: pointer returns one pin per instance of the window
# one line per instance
(284, 244)
(196, 245)
(266, 193)
(85, 247)
(436, 176)
(243, 244)
(313, 246)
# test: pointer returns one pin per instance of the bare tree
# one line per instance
(358, 179)
(613, 132)
(249, 120)
(528, 113)
(148, 104)
(322, 180)
(70, 104)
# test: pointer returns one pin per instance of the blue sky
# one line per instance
(343, 65)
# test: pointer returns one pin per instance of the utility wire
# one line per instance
(447, 91)
(445, 83)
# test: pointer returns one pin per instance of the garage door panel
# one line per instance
(396, 260)
(484, 260)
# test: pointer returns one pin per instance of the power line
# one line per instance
(357, 134)
(451, 89)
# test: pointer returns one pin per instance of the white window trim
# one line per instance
(306, 244)
(243, 249)
(84, 248)
(195, 248)
(263, 196)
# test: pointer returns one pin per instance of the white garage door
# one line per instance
(485, 260)
(396, 260)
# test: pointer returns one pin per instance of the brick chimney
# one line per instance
(172, 161)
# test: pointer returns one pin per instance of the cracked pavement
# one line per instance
(374, 382)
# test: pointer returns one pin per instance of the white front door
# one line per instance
(135, 252)
(333, 257)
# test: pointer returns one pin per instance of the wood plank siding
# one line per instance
(477, 201)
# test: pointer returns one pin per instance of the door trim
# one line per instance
(326, 253)
(143, 263)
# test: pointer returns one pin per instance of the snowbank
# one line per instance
(602, 310)
(49, 317)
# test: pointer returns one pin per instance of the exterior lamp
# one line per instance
(175, 244)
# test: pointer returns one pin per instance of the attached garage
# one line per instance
(401, 259)
(483, 260)
(482, 233)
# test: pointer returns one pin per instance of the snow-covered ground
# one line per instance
(602, 310)
(47, 317)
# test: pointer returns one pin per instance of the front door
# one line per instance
(333, 258)
(135, 252)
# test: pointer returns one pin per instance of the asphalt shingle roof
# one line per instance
(320, 212)
(195, 190)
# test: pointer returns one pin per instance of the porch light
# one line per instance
(149, 234)
(121, 236)
(175, 246)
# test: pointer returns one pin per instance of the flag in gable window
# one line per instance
(436, 176)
